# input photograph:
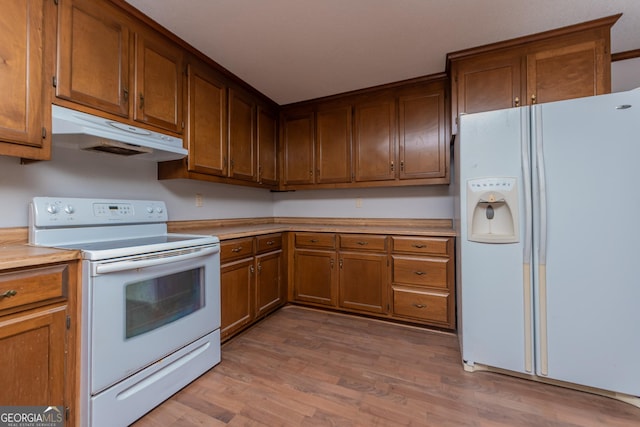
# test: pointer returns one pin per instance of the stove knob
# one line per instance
(69, 209)
(159, 209)
(150, 209)
(52, 209)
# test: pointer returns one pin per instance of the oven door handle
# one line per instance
(152, 261)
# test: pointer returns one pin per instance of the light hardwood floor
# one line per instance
(302, 367)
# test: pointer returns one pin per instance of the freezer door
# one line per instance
(586, 241)
(495, 314)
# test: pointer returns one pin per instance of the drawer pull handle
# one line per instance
(314, 240)
(419, 245)
(416, 305)
(8, 294)
(420, 273)
(361, 243)
(238, 249)
(270, 243)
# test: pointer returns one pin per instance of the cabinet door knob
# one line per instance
(251, 269)
(362, 243)
(125, 92)
(141, 101)
(392, 167)
(420, 273)
(533, 99)
(8, 294)
(238, 249)
(516, 102)
(270, 243)
(416, 305)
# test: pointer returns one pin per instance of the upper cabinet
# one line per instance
(158, 81)
(390, 136)
(27, 30)
(112, 63)
(93, 56)
(566, 63)
(231, 133)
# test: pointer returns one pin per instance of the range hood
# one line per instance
(74, 129)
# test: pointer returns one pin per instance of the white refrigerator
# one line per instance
(548, 241)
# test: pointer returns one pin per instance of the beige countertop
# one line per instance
(231, 229)
(16, 253)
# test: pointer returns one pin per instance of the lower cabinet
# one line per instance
(408, 278)
(37, 336)
(251, 283)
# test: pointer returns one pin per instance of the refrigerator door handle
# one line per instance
(542, 248)
(525, 149)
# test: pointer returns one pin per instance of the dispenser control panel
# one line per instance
(489, 184)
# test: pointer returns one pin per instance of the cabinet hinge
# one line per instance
(44, 132)
(68, 322)
(54, 81)
(66, 409)
(455, 78)
(55, 2)
(183, 124)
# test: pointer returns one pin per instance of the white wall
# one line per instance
(397, 202)
(73, 173)
(625, 75)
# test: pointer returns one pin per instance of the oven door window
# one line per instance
(152, 303)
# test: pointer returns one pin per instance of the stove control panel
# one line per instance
(70, 212)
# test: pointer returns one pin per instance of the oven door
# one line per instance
(143, 308)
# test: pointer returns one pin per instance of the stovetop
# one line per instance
(106, 228)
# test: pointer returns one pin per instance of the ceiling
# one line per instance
(293, 50)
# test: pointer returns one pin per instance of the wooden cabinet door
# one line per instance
(33, 357)
(242, 147)
(485, 83)
(374, 140)
(567, 72)
(298, 148)
(333, 144)
(24, 26)
(422, 134)
(93, 56)
(158, 70)
(269, 292)
(363, 282)
(315, 277)
(236, 294)
(267, 147)
(207, 121)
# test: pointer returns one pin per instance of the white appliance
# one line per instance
(548, 227)
(150, 302)
(75, 129)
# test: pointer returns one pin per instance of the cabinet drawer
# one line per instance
(422, 271)
(236, 249)
(268, 243)
(364, 242)
(316, 240)
(421, 245)
(421, 304)
(33, 285)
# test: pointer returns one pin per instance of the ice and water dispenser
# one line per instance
(492, 210)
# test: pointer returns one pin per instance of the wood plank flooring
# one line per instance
(303, 367)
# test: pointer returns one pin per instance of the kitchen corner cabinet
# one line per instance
(112, 63)
(251, 284)
(37, 336)
(379, 137)
(566, 63)
(27, 31)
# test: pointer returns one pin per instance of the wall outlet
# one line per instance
(359, 202)
(198, 200)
